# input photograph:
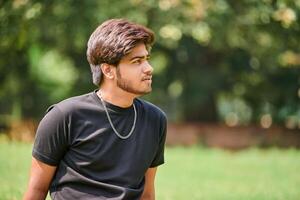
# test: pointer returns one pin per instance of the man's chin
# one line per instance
(134, 91)
(142, 93)
(139, 93)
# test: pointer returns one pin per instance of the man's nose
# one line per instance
(148, 69)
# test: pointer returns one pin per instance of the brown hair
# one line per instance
(112, 40)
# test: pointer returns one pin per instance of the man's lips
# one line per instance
(147, 78)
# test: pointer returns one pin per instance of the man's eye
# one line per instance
(137, 62)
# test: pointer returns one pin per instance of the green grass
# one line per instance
(189, 173)
(197, 173)
(14, 169)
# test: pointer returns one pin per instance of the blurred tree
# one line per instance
(236, 61)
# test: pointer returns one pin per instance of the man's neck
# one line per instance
(116, 97)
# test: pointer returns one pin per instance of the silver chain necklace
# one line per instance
(111, 124)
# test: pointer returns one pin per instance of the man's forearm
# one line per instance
(41, 175)
(35, 194)
(148, 196)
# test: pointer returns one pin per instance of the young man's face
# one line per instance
(134, 73)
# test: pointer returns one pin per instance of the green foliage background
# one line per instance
(214, 60)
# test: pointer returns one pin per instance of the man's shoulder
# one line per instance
(76, 99)
(73, 103)
(151, 108)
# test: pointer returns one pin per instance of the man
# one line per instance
(108, 143)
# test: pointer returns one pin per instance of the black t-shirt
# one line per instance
(92, 161)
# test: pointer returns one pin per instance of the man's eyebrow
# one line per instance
(140, 57)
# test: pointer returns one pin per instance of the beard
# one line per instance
(127, 86)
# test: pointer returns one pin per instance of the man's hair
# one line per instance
(112, 40)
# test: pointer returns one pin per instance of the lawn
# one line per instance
(190, 173)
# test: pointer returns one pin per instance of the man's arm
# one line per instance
(149, 190)
(41, 175)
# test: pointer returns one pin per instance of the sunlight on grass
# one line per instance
(14, 169)
(199, 173)
(189, 173)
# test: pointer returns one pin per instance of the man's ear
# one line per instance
(107, 70)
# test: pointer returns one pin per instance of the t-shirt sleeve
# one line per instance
(159, 158)
(51, 140)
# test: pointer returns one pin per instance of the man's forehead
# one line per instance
(138, 51)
